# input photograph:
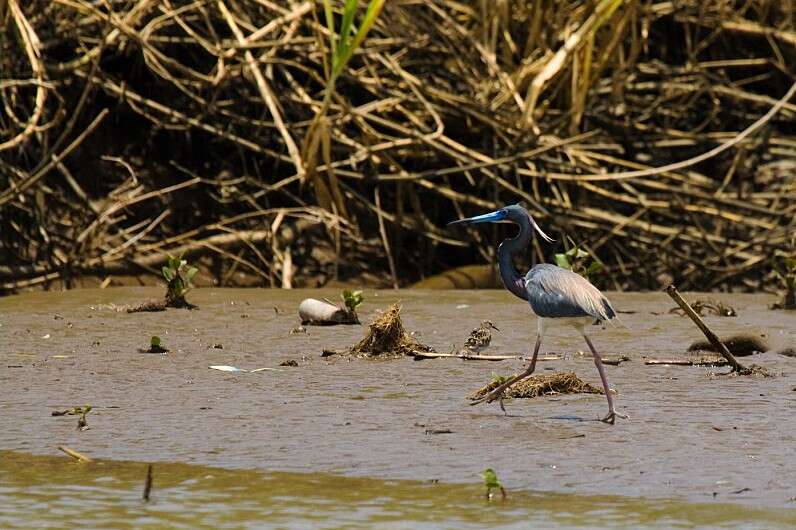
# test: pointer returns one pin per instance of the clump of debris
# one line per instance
(540, 385)
(386, 337)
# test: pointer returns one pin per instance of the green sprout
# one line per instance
(179, 277)
(155, 346)
(578, 260)
(498, 380)
(785, 272)
(352, 299)
(491, 482)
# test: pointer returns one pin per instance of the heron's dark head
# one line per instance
(513, 213)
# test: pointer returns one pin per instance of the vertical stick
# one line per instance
(147, 483)
(714, 340)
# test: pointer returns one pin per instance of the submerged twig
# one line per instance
(147, 483)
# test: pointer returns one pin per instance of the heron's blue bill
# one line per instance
(492, 217)
(510, 213)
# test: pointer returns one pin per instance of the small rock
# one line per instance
(289, 362)
(298, 329)
(218, 346)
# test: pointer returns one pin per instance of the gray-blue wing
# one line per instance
(555, 293)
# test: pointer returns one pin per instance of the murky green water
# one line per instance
(56, 492)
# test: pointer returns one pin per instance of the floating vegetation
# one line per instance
(540, 385)
(386, 336)
(82, 424)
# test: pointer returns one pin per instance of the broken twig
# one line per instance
(74, 454)
(714, 340)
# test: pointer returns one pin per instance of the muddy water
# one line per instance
(57, 493)
(690, 437)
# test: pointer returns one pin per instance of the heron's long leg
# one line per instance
(498, 392)
(612, 413)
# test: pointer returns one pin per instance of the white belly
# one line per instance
(578, 323)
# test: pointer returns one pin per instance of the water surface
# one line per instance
(691, 437)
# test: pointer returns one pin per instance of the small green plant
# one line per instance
(491, 482)
(179, 277)
(498, 380)
(352, 299)
(578, 260)
(155, 346)
(785, 272)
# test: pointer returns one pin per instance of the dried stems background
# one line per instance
(132, 128)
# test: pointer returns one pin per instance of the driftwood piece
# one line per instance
(419, 355)
(704, 360)
(324, 313)
(74, 454)
(714, 340)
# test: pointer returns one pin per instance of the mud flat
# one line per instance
(691, 437)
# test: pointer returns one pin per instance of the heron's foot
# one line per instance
(490, 397)
(612, 415)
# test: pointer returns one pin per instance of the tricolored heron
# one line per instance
(556, 295)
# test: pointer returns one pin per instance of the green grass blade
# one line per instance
(343, 52)
(349, 10)
(327, 9)
(347, 44)
(374, 8)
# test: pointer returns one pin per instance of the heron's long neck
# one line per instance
(512, 279)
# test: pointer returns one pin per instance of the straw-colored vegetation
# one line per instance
(297, 141)
(386, 336)
(540, 385)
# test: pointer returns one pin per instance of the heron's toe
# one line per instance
(611, 417)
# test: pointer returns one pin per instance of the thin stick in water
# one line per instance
(148, 483)
(714, 340)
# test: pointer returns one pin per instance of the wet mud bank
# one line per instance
(690, 435)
